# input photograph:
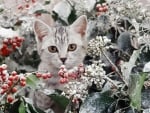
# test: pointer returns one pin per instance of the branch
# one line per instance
(116, 68)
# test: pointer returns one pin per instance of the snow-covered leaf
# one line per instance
(5, 33)
(89, 4)
(127, 66)
(146, 67)
(63, 9)
(97, 103)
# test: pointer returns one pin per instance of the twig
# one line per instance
(69, 3)
(107, 78)
(116, 68)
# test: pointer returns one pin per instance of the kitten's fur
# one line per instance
(59, 38)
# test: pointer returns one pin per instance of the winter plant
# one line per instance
(115, 75)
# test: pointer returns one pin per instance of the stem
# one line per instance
(69, 3)
(107, 78)
(116, 68)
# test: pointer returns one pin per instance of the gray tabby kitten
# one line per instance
(58, 46)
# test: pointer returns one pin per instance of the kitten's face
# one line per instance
(62, 45)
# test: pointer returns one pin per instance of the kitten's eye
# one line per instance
(52, 49)
(72, 47)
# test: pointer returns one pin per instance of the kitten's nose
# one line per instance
(63, 60)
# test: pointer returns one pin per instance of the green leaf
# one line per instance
(62, 101)
(41, 11)
(1, 10)
(135, 87)
(47, 2)
(30, 108)
(72, 17)
(97, 102)
(34, 109)
(22, 108)
(32, 81)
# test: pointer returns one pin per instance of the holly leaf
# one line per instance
(62, 101)
(22, 108)
(72, 17)
(41, 11)
(32, 81)
(135, 88)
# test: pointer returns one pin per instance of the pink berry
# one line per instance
(22, 78)
(10, 83)
(38, 75)
(61, 73)
(10, 98)
(49, 75)
(4, 86)
(14, 89)
(22, 83)
(14, 73)
(45, 76)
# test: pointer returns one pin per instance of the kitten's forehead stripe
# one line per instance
(61, 35)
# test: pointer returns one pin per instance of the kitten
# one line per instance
(58, 46)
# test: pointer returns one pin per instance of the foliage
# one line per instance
(116, 61)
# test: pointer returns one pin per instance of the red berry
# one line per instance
(66, 75)
(105, 8)
(61, 80)
(38, 75)
(33, 1)
(1, 69)
(18, 44)
(49, 75)
(14, 89)
(22, 78)
(61, 73)
(11, 78)
(4, 78)
(27, 5)
(5, 51)
(4, 46)
(14, 45)
(2, 91)
(16, 78)
(101, 9)
(5, 41)
(10, 98)
(45, 76)
(20, 39)
(22, 83)
(10, 83)
(98, 6)
(20, 7)
(14, 73)
(4, 86)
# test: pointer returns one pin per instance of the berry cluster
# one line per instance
(101, 8)
(65, 74)
(10, 45)
(26, 4)
(43, 75)
(9, 83)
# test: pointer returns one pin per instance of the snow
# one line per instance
(5, 33)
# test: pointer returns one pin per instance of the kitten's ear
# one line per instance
(80, 25)
(40, 29)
